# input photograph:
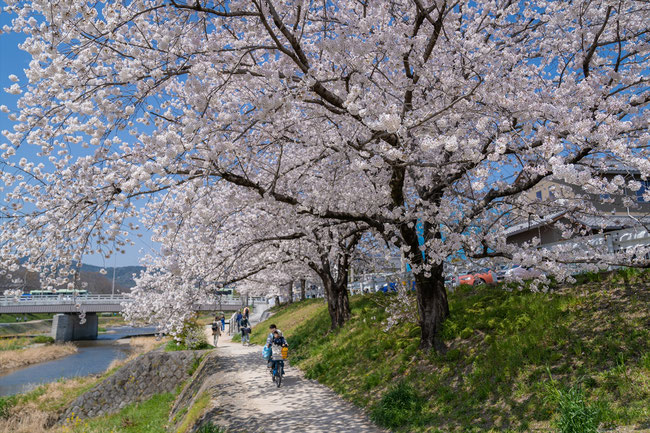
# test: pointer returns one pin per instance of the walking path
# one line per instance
(248, 401)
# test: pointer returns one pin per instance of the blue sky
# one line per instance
(14, 61)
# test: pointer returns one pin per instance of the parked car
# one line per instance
(521, 273)
(451, 281)
(477, 278)
(501, 272)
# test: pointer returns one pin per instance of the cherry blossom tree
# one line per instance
(423, 120)
(261, 245)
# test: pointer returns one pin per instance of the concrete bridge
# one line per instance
(66, 325)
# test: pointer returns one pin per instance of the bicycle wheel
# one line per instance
(278, 378)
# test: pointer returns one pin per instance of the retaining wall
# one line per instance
(152, 373)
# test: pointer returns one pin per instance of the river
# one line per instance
(93, 356)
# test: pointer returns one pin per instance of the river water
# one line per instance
(93, 356)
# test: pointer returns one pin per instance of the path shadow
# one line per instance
(247, 400)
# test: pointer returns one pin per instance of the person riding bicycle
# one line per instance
(272, 329)
(276, 345)
(269, 341)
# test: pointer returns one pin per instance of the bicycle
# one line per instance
(277, 372)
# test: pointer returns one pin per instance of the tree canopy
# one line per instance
(423, 121)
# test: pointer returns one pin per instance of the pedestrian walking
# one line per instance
(246, 312)
(223, 323)
(216, 331)
(245, 331)
(238, 318)
(246, 335)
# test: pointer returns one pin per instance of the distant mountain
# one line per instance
(123, 274)
(97, 283)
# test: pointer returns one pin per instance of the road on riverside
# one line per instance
(245, 400)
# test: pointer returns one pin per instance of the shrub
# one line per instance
(43, 339)
(400, 405)
(192, 337)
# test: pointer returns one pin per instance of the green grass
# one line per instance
(11, 318)
(195, 364)
(146, 417)
(6, 403)
(502, 346)
(576, 415)
(194, 413)
(399, 406)
(16, 343)
(173, 346)
(211, 428)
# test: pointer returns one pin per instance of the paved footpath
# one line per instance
(249, 402)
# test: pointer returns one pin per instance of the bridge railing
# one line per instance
(103, 299)
(64, 299)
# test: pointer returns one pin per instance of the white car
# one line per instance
(520, 273)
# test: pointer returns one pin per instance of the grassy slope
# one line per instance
(11, 318)
(146, 417)
(507, 351)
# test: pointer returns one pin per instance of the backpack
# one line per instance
(267, 352)
(215, 326)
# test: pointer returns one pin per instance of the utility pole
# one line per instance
(114, 266)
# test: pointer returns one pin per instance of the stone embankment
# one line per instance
(152, 373)
(204, 380)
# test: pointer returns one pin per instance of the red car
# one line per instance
(477, 278)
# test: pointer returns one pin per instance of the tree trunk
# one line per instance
(338, 304)
(431, 293)
(277, 300)
(433, 308)
(303, 284)
(290, 289)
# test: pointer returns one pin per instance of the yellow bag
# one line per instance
(285, 352)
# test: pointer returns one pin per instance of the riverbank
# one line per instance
(32, 327)
(41, 352)
(517, 361)
(38, 410)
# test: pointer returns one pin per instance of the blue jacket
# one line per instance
(280, 341)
